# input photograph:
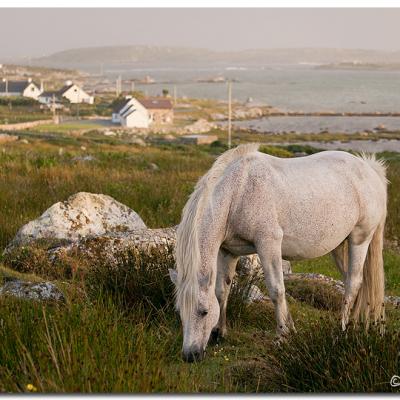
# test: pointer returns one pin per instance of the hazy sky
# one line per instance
(34, 32)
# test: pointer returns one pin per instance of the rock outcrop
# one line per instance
(248, 113)
(42, 291)
(113, 245)
(81, 215)
(89, 229)
(200, 126)
(251, 265)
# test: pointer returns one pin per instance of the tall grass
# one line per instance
(87, 348)
(31, 181)
(321, 358)
(119, 332)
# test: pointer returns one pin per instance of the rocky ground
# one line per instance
(97, 228)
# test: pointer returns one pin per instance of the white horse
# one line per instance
(298, 208)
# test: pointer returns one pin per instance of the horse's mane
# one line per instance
(187, 250)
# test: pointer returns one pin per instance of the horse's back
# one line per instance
(316, 201)
(324, 174)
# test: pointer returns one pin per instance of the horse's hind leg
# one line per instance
(270, 254)
(225, 272)
(340, 256)
(354, 276)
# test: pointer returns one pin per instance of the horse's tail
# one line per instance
(187, 249)
(378, 165)
(370, 300)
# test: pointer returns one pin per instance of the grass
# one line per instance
(98, 344)
(15, 110)
(322, 359)
(67, 127)
(32, 181)
(118, 330)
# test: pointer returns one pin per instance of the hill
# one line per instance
(91, 58)
(51, 77)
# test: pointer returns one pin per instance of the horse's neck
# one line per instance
(211, 231)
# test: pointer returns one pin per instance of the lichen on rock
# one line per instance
(42, 291)
(81, 215)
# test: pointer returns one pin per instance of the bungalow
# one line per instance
(160, 109)
(50, 99)
(19, 88)
(75, 94)
(130, 113)
(148, 111)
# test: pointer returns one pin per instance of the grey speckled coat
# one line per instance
(299, 208)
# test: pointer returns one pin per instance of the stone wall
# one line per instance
(25, 125)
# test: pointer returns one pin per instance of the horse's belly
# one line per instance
(314, 228)
(309, 246)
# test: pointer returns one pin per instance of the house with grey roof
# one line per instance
(26, 88)
(51, 99)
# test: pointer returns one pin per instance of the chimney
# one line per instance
(29, 80)
(67, 83)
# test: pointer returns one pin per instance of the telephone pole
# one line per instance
(54, 107)
(174, 95)
(78, 105)
(5, 80)
(229, 114)
(118, 86)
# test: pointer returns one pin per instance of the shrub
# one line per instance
(299, 148)
(138, 277)
(322, 358)
(35, 259)
(317, 294)
(17, 101)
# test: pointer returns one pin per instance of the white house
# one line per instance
(50, 99)
(131, 114)
(19, 88)
(75, 94)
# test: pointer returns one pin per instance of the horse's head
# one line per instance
(198, 319)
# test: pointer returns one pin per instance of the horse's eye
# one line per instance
(203, 313)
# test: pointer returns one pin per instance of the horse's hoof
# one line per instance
(279, 340)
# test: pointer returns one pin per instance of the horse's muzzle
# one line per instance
(193, 355)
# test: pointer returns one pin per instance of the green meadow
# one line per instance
(118, 330)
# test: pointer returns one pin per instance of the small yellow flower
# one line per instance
(226, 358)
(31, 388)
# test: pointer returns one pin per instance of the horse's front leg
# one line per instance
(226, 267)
(270, 253)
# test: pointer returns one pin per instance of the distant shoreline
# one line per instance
(331, 114)
(360, 66)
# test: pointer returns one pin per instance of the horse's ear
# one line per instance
(173, 274)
